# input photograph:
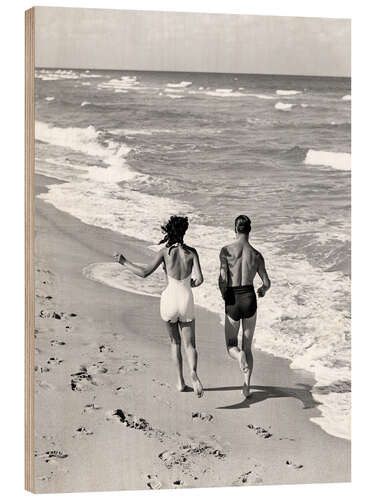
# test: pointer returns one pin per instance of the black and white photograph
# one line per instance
(192, 250)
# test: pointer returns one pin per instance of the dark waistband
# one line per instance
(241, 289)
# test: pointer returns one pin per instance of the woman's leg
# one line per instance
(188, 336)
(174, 335)
(248, 327)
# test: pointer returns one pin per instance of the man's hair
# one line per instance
(242, 224)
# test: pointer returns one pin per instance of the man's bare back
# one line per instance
(239, 264)
(242, 262)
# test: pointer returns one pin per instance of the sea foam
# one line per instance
(181, 84)
(86, 141)
(282, 106)
(120, 85)
(62, 74)
(339, 161)
(288, 92)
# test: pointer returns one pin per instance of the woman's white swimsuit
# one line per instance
(177, 301)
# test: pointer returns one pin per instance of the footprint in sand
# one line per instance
(91, 407)
(43, 297)
(46, 271)
(82, 431)
(127, 369)
(47, 437)
(50, 314)
(82, 380)
(134, 422)
(95, 368)
(260, 431)
(119, 390)
(45, 478)
(248, 478)
(44, 385)
(289, 463)
(41, 369)
(128, 419)
(153, 482)
(162, 384)
(204, 417)
(171, 458)
(115, 416)
(178, 483)
(54, 361)
(45, 275)
(49, 456)
(186, 454)
(55, 342)
(105, 348)
(242, 479)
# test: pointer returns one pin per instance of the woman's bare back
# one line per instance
(179, 261)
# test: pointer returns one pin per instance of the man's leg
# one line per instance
(174, 335)
(188, 336)
(248, 328)
(231, 338)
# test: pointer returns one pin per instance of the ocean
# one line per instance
(135, 147)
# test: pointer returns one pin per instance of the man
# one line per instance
(239, 264)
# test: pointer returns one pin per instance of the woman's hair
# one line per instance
(174, 230)
(242, 224)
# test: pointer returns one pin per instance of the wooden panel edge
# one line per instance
(29, 247)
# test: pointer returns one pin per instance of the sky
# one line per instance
(191, 42)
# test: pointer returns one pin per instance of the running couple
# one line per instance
(239, 264)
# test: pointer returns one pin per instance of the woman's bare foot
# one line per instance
(198, 389)
(246, 390)
(244, 367)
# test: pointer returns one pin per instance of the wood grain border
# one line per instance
(29, 247)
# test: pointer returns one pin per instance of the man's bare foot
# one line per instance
(181, 386)
(198, 389)
(246, 390)
(244, 367)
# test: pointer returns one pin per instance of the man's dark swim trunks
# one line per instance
(240, 302)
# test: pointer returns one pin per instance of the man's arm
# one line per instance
(223, 275)
(264, 277)
(141, 271)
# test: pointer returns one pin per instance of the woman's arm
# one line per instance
(144, 270)
(197, 266)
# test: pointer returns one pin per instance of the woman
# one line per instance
(177, 302)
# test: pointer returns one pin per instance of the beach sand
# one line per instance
(107, 414)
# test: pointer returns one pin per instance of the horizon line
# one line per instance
(191, 72)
